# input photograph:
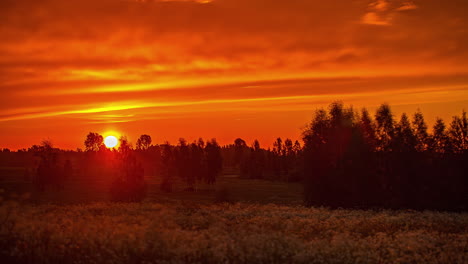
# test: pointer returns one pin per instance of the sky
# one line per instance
(255, 69)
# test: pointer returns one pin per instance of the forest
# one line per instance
(346, 159)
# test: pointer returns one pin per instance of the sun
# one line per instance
(111, 141)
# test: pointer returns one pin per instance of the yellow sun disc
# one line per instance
(110, 141)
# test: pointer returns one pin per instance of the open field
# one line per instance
(227, 233)
(94, 187)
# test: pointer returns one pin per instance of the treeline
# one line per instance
(281, 163)
(49, 170)
(348, 158)
(351, 159)
(194, 163)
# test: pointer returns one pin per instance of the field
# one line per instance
(264, 222)
(94, 187)
(227, 233)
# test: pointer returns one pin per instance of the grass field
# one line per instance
(263, 223)
(94, 187)
(227, 233)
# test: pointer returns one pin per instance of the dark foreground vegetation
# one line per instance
(227, 233)
(353, 160)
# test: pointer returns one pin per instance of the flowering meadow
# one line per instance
(227, 233)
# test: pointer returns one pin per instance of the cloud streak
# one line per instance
(120, 62)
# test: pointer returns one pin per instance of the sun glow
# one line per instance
(111, 141)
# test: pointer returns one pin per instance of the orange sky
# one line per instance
(221, 68)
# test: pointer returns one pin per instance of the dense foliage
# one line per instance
(351, 159)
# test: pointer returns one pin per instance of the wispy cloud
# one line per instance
(374, 18)
(407, 5)
(380, 5)
(383, 12)
(77, 62)
(267, 95)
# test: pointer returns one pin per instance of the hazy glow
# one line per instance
(110, 141)
(193, 68)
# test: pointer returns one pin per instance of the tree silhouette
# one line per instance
(367, 128)
(404, 139)
(129, 185)
(182, 163)
(297, 147)
(459, 133)
(168, 167)
(439, 142)
(124, 146)
(253, 165)
(256, 145)
(93, 142)
(278, 153)
(316, 160)
(288, 157)
(385, 127)
(48, 171)
(239, 149)
(143, 142)
(214, 161)
(347, 160)
(420, 131)
(404, 163)
(348, 163)
(278, 147)
(197, 160)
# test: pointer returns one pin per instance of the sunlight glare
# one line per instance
(110, 141)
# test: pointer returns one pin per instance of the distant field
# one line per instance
(187, 232)
(94, 187)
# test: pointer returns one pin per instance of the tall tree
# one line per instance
(253, 166)
(239, 149)
(317, 159)
(48, 171)
(124, 146)
(297, 147)
(367, 128)
(420, 131)
(459, 133)
(288, 147)
(143, 142)
(317, 132)
(439, 141)
(196, 160)
(182, 164)
(93, 142)
(385, 127)
(278, 147)
(256, 145)
(288, 156)
(214, 161)
(404, 139)
(167, 167)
